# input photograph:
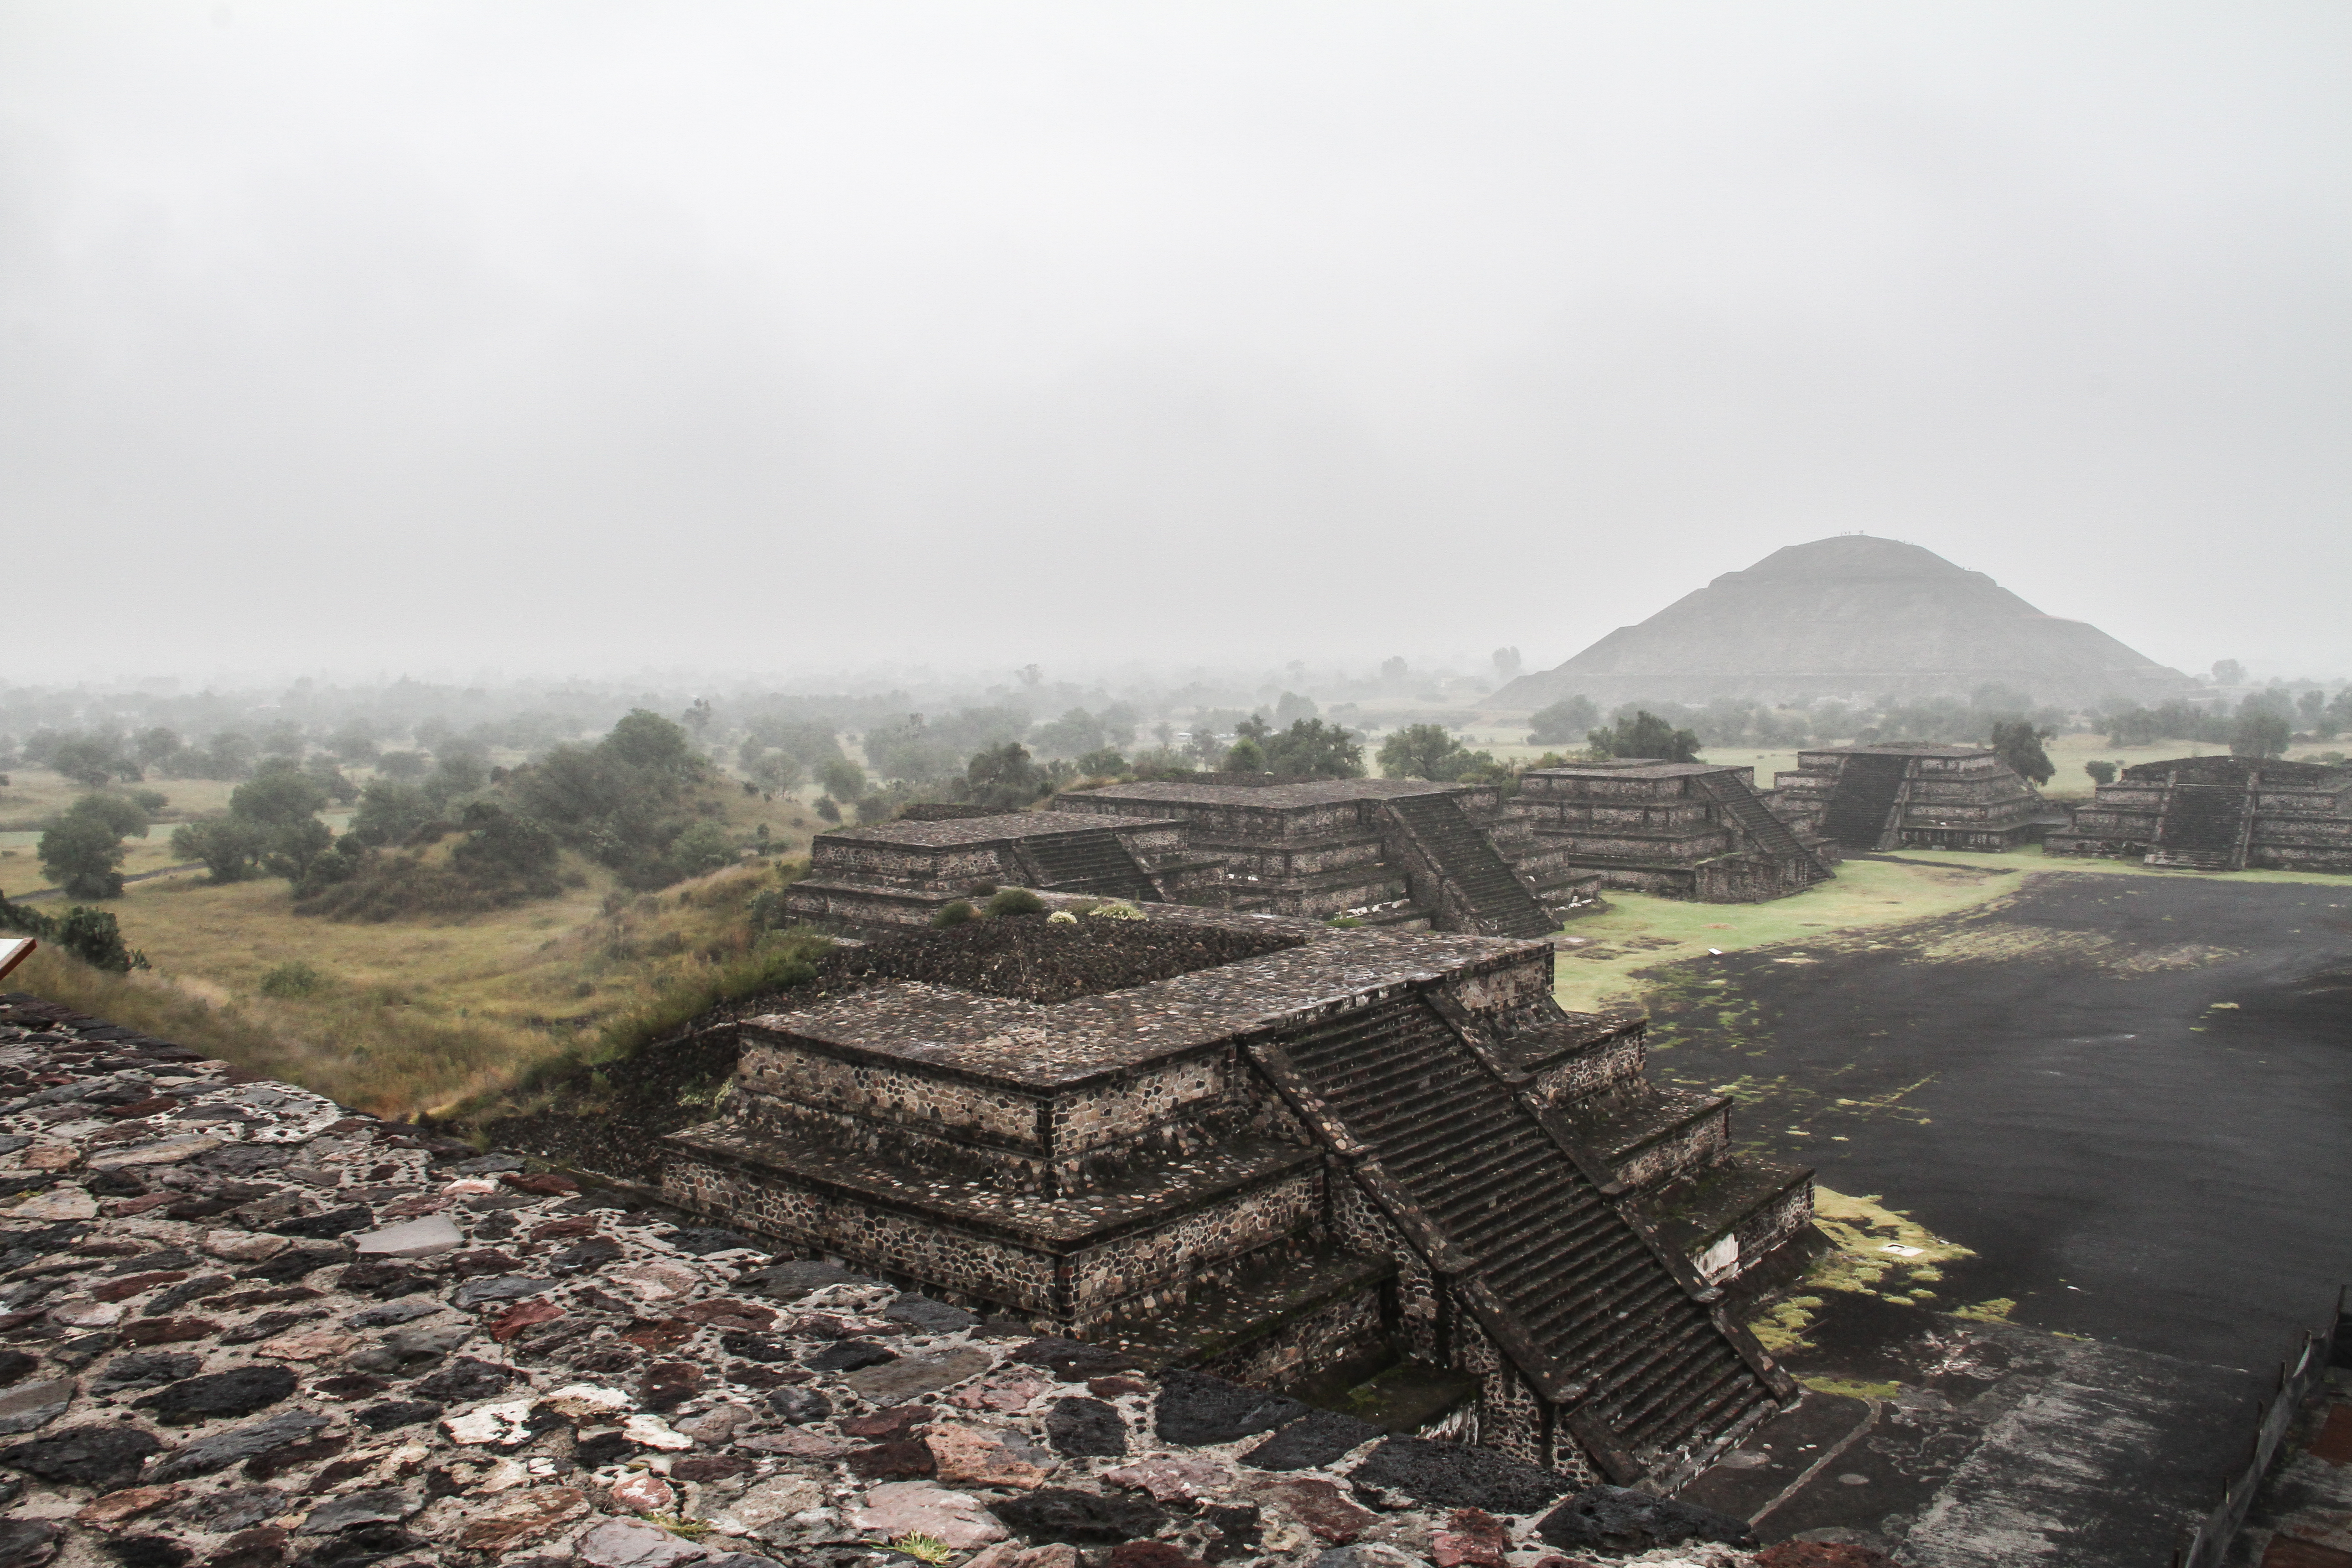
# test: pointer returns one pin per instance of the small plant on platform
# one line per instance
(955, 914)
(1014, 901)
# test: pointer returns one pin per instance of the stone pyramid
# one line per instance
(1852, 618)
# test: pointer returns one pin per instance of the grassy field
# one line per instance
(407, 1016)
(1604, 958)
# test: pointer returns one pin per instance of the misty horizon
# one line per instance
(563, 342)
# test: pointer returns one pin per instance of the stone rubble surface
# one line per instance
(241, 1327)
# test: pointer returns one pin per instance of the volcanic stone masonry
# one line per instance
(242, 1326)
(1381, 1168)
(1912, 797)
(2219, 814)
(1389, 852)
(1685, 830)
(903, 873)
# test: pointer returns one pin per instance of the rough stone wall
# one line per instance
(1162, 1258)
(1686, 1149)
(1338, 1332)
(775, 1067)
(1612, 1063)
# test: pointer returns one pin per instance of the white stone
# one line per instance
(653, 1432)
(586, 1402)
(170, 1152)
(503, 1424)
(417, 1239)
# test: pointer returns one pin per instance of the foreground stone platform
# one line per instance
(246, 1327)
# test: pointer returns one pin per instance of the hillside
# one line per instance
(1852, 618)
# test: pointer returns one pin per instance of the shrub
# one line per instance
(2260, 736)
(1014, 901)
(2101, 772)
(1310, 749)
(1061, 918)
(91, 935)
(827, 808)
(1244, 756)
(1115, 911)
(294, 978)
(955, 914)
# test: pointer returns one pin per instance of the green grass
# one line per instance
(1606, 960)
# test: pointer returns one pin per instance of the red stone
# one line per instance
(888, 1426)
(1113, 1387)
(707, 1467)
(546, 1183)
(1319, 1506)
(566, 1229)
(123, 1208)
(166, 1331)
(889, 1461)
(523, 1315)
(2283, 1552)
(2334, 1444)
(1471, 1538)
(1841, 1555)
(148, 1107)
(658, 1333)
(1150, 1554)
(727, 1314)
(131, 1285)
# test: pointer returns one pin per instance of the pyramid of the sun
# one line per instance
(1851, 617)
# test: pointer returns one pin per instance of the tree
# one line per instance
(644, 740)
(1005, 776)
(778, 770)
(2101, 772)
(1507, 663)
(1244, 756)
(1102, 763)
(1647, 735)
(1423, 751)
(1073, 735)
(157, 747)
(2260, 735)
(843, 779)
(389, 811)
(1563, 723)
(401, 765)
(230, 847)
(2229, 672)
(93, 760)
(355, 743)
(1310, 749)
(2017, 743)
(81, 848)
(280, 796)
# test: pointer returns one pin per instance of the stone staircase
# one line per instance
(1766, 834)
(1864, 800)
(1597, 1316)
(1088, 861)
(2205, 828)
(1499, 904)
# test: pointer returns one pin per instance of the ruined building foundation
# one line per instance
(2219, 814)
(1912, 797)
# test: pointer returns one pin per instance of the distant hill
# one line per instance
(1851, 617)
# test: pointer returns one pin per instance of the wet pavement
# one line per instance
(2132, 1098)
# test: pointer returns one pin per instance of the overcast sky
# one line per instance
(574, 337)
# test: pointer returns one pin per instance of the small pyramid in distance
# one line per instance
(1853, 616)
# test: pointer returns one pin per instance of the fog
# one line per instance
(591, 338)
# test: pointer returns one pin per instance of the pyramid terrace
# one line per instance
(1378, 1167)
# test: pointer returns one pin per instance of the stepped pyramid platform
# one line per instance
(1686, 830)
(869, 879)
(1354, 1158)
(1912, 797)
(1390, 852)
(2219, 814)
